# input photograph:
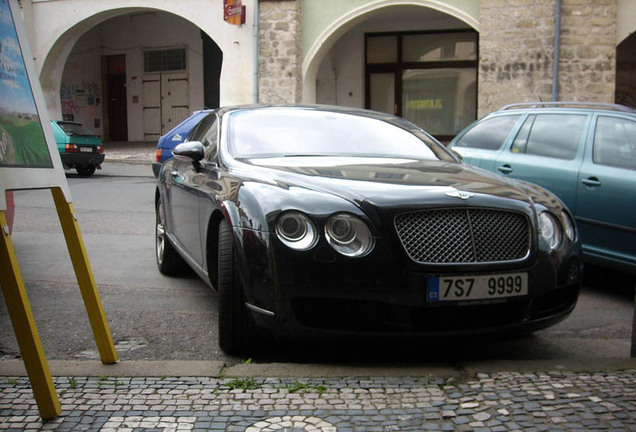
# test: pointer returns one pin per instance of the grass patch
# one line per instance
(304, 388)
(243, 384)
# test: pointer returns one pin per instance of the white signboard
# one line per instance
(29, 158)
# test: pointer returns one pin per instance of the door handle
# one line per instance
(506, 169)
(591, 182)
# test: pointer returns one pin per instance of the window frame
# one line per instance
(399, 67)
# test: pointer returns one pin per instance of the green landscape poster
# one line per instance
(22, 140)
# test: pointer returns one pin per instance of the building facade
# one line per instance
(130, 69)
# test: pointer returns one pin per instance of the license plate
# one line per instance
(454, 288)
(86, 149)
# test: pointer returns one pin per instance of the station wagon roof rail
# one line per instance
(597, 105)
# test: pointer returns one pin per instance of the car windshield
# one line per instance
(75, 129)
(288, 132)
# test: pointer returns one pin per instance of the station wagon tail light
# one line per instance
(100, 149)
(71, 148)
(349, 235)
(550, 230)
(295, 230)
(158, 155)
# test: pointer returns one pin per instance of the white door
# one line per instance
(174, 100)
(151, 89)
(166, 102)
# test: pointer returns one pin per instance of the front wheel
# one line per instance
(236, 328)
(85, 170)
(169, 261)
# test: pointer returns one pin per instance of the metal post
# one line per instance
(557, 52)
(26, 332)
(85, 278)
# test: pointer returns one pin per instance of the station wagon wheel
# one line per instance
(169, 261)
(85, 170)
(236, 328)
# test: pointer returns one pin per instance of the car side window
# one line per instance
(210, 141)
(550, 135)
(199, 131)
(490, 134)
(615, 142)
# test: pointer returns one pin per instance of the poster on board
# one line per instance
(28, 155)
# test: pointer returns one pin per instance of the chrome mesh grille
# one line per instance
(450, 236)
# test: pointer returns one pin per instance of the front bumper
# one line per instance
(319, 293)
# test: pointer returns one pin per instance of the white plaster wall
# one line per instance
(625, 19)
(340, 79)
(83, 74)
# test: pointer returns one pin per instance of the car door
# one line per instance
(547, 150)
(480, 144)
(187, 187)
(606, 195)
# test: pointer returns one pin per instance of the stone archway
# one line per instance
(52, 45)
(326, 40)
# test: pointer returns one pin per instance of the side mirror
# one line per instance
(191, 151)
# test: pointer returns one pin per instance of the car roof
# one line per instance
(311, 107)
(568, 106)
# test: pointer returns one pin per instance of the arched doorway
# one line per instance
(626, 72)
(416, 59)
(127, 78)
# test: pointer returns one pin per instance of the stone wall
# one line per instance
(517, 51)
(280, 51)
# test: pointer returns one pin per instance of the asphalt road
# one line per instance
(153, 317)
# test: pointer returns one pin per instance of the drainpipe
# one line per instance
(557, 52)
(255, 59)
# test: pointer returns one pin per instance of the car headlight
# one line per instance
(295, 230)
(349, 235)
(550, 230)
(568, 226)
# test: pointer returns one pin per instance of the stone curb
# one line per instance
(294, 370)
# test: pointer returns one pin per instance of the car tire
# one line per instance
(236, 328)
(169, 261)
(85, 170)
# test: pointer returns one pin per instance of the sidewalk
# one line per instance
(204, 396)
(137, 152)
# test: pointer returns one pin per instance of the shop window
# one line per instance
(429, 78)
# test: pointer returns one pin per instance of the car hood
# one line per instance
(390, 182)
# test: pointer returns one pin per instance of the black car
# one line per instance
(315, 221)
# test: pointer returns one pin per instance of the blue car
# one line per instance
(177, 135)
(583, 153)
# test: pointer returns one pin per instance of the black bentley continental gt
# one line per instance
(314, 221)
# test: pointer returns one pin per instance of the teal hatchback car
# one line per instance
(584, 153)
(79, 148)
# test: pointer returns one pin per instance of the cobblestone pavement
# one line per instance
(502, 401)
